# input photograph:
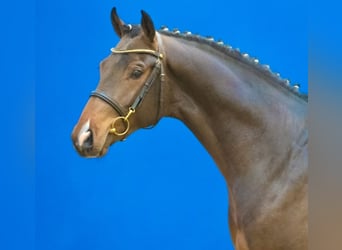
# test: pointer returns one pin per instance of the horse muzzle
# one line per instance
(84, 142)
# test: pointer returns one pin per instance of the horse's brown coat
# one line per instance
(253, 127)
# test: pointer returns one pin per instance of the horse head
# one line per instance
(128, 94)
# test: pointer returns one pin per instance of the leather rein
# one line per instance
(124, 116)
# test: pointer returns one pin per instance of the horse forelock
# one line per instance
(132, 30)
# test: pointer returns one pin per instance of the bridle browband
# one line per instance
(124, 116)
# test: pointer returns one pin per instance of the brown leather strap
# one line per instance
(117, 107)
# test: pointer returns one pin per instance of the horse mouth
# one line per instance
(102, 152)
(94, 153)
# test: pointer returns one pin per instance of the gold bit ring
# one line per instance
(124, 120)
(114, 129)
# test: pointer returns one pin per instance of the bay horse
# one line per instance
(252, 122)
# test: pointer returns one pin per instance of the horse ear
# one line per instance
(147, 26)
(117, 23)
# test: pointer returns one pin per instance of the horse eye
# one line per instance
(136, 73)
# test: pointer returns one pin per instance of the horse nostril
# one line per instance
(85, 140)
(88, 143)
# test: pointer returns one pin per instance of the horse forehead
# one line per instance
(137, 42)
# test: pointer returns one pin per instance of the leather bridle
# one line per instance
(124, 116)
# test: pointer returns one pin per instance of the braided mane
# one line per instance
(236, 54)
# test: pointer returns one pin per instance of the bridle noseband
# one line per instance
(124, 117)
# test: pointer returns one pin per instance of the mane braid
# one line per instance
(236, 54)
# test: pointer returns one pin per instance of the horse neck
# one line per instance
(237, 114)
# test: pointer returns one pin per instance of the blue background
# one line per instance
(159, 189)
